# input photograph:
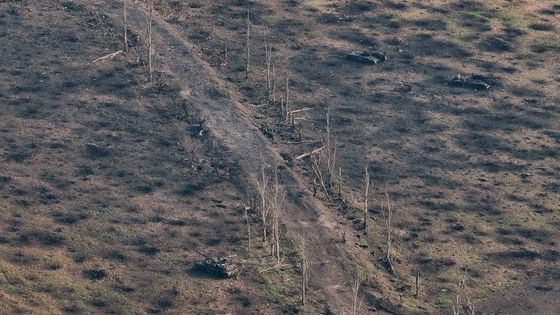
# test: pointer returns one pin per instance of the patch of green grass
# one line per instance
(80, 297)
(104, 214)
(169, 259)
(412, 304)
(12, 289)
(477, 15)
(358, 215)
(275, 291)
(444, 301)
(510, 18)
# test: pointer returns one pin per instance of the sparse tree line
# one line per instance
(326, 172)
(149, 47)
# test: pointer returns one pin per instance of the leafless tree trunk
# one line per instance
(417, 284)
(225, 64)
(287, 99)
(304, 272)
(388, 216)
(463, 304)
(315, 165)
(340, 183)
(282, 107)
(366, 195)
(248, 46)
(248, 229)
(150, 45)
(262, 187)
(273, 86)
(355, 294)
(125, 35)
(330, 151)
(278, 198)
(269, 74)
(328, 145)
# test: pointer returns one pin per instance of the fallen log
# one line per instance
(310, 153)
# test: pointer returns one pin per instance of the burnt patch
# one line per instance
(68, 218)
(355, 36)
(95, 274)
(358, 7)
(190, 189)
(514, 255)
(476, 22)
(547, 27)
(428, 45)
(95, 151)
(495, 44)
(429, 24)
(46, 238)
(434, 265)
(4, 181)
(148, 250)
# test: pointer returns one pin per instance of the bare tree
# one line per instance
(273, 86)
(150, 45)
(125, 35)
(367, 182)
(225, 65)
(262, 187)
(316, 166)
(388, 216)
(269, 73)
(462, 305)
(417, 284)
(287, 99)
(340, 183)
(248, 46)
(330, 149)
(247, 207)
(355, 295)
(277, 202)
(304, 271)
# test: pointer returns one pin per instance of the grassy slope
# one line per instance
(105, 193)
(474, 174)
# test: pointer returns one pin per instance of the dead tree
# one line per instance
(225, 65)
(315, 165)
(304, 272)
(262, 187)
(287, 99)
(462, 305)
(273, 86)
(330, 149)
(277, 202)
(340, 183)
(248, 44)
(248, 228)
(355, 295)
(417, 284)
(367, 182)
(269, 72)
(282, 108)
(150, 45)
(125, 35)
(388, 216)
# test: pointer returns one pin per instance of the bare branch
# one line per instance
(109, 56)
(309, 153)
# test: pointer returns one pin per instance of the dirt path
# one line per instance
(332, 271)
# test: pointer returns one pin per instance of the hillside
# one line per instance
(115, 186)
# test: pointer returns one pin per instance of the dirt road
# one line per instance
(332, 271)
